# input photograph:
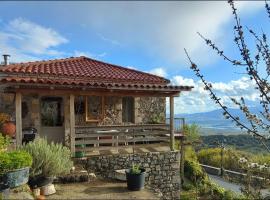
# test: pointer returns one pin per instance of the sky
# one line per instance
(149, 36)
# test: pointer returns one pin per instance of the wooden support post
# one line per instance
(18, 108)
(72, 124)
(182, 153)
(172, 123)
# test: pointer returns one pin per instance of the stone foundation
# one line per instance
(163, 169)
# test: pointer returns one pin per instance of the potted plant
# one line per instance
(14, 167)
(7, 127)
(4, 142)
(135, 178)
(49, 160)
(79, 154)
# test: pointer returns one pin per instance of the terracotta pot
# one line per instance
(9, 128)
(40, 197)
(47, 190)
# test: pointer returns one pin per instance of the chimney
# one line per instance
(6, 59)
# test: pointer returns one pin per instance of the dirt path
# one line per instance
(99, 189)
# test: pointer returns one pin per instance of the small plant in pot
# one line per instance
(135, 178)
(49, 160)
(4, 142)
(14, 167)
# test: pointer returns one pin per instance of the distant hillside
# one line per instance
(213, 122)
(241, 142)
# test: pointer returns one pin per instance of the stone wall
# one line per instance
(163, 169)
(112, 111)
(7, 104)
(147, 110)
(150, 110)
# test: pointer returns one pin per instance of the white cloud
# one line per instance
(159, 72)
(198, 99)
(88, 54)
(131, 67)
(25, 40)
(109, 40)
(160, 28)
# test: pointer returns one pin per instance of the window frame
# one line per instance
(132, 114)
(87, 116)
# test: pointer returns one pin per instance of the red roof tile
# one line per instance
(82, 68)
(83, 72)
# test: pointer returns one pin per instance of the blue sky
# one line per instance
(149, 36)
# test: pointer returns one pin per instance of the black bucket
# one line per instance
(4, 191)
(135, 182)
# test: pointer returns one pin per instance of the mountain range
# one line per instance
(214, 122)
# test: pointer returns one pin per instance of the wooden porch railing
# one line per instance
(179, 123)
(117, 137)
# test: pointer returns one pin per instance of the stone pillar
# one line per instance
(18, 113)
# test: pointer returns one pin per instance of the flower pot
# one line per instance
(17, 177)
(135, 182)
(4, 191)
(9, 128)
(79, 154)
(39, 181)
(47, 190)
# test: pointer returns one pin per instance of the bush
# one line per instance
(193, 171)
(4, 142)
(187, 186)
(48, 159)
(10, 161)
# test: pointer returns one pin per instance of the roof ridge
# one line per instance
(42, 61)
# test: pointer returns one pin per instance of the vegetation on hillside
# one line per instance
(197, 183)
(239, 142)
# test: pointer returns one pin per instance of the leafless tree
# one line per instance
(258, 124)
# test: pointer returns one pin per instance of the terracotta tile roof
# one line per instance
(83, 72)
(83, 68)
(93, 84)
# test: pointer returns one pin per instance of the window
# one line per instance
(51, 111)
(94, 108)
(128, 109)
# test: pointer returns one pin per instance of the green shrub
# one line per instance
(187, 186)
(190, 195)
(10, 161)
(193, 171)
(49, 159)
(4, 142)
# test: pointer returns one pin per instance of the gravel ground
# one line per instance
(99, 189)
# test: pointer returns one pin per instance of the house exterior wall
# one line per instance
(150, 110)
(7, 104)
(147, 110)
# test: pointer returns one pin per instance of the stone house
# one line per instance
(93, 106)
(59, 97)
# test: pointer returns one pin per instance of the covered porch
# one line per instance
(94, 136)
